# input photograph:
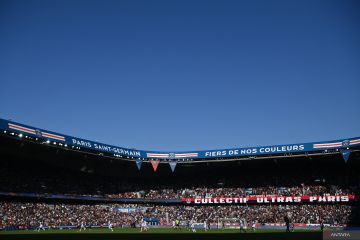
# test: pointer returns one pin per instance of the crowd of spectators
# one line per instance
(30, 215)
(49, 180)
(206, 192)
(83, 184)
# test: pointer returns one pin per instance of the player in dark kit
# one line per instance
(322, 226)
(287, 223)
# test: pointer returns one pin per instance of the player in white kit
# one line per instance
(41, 227)
(110, 226)
(192, 224)
(253, 226)
(143, 226)
(82, 226)
(242, 225)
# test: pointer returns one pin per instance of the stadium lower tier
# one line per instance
(43, 179)
(28, 215)
(24, 170)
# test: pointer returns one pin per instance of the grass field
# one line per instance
(160, 234)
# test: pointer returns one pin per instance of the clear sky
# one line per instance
(183, 75)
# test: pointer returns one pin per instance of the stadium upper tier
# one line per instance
(60, 140)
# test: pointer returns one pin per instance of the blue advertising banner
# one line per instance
(69, 140)
(207, 154)
(104, 147)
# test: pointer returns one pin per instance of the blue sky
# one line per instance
(183, 75)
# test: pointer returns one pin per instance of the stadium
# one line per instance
(54, 183)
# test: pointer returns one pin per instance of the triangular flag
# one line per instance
(138, 163)
(346, 154)
(155, 164)
(172, 164)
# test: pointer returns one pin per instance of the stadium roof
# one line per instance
(79, 144)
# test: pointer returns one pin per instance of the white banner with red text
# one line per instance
(271, 199)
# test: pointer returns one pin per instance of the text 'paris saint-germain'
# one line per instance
(106, 148)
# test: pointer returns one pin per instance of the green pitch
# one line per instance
(150, 231)
(159, 234)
